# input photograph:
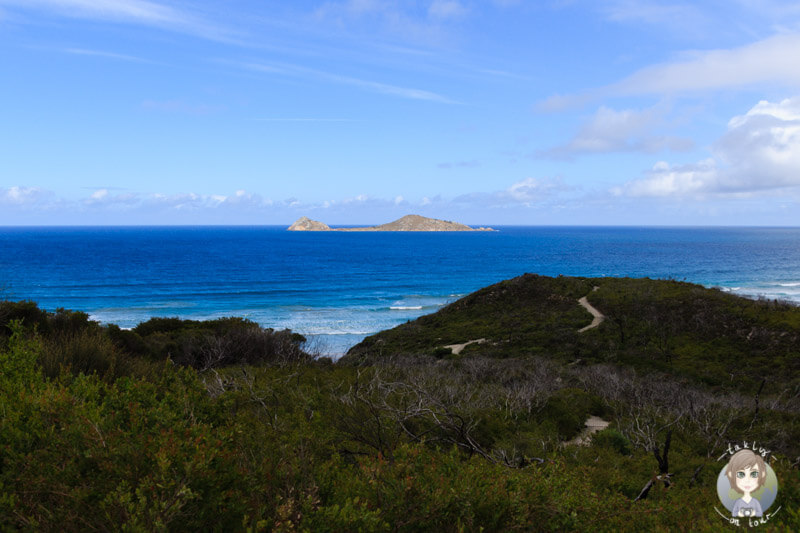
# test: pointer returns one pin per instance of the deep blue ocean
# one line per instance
(337, 287)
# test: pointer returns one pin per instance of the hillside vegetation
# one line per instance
(223, 425)
(705, 335)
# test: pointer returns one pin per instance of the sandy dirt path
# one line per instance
(593, 425)
(596, 321)
(456, 348)
(598, 316)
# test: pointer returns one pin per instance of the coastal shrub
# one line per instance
(161, 325)
(262, 452)
(18, 363)
(568, 409)
(80, 454)
(422, 489)
(528, 314)
(25, 311)
(66, 322)
(245, 345)
(213, 343)
(702, 334)
(46, 323)
(82, 352)
(127, 340)
(174, 324)
(613, 439)
(90, 351)
(407, 443)
(441, 351)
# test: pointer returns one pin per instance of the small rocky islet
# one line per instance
(406, 223)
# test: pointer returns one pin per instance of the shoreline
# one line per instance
(335, 344)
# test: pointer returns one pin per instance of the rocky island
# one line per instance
(406, 223)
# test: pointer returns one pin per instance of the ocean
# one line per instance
(338, 287)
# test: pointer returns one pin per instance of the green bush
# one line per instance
(212, 343)
(84, 352)
(79, 454)
(127, 340)
(65, 322)
(161, 325)
(612, 439)
(568, 409)
(27, 312)
(441, 351)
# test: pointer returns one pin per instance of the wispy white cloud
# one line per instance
(779, 11)
(106, 55)
(130, 10)
(524, 193)
(391, 90)
(373, 86)
(768, 61)
(703, 21)
(354, 8)
(21, 196)
(628, 130)
(107, 205)
(674, 180)
(240, 200)
(504, 74)
(303, 119)
(444, 9)
(412, 22)
(648, 11)
(178, 106)
(103, 198)
(684, 17)
(522, 196)
(562, 102)
(142, 12)
(186, 207)
(115, 199)
(760, 152)
(360, 201)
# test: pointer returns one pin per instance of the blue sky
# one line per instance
(361, 111)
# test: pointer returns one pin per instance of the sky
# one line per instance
(494, 112)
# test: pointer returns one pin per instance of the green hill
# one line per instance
(703, 334)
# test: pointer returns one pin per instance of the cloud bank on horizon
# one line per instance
(359, 111)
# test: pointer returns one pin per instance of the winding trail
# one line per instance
(592, 425)
(456, 348)
(598, 316)
(596, 321)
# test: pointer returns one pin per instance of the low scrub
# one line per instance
(225, 426)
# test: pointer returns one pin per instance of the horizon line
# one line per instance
(358, 225)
